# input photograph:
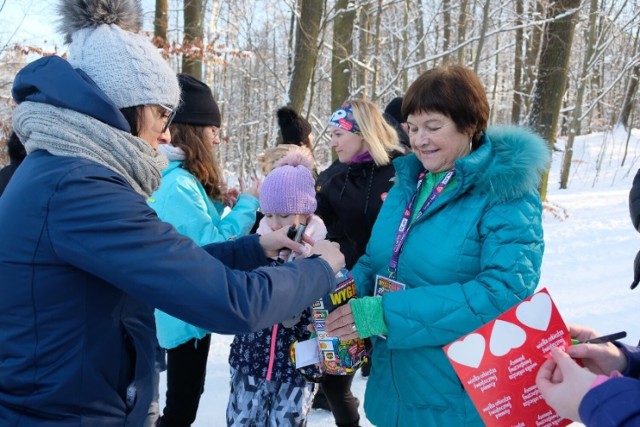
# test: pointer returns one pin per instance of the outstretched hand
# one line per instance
(563, 384)
(254, 189)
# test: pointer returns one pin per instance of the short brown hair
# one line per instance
(454, 91)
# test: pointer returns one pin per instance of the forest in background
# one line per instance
(563, 68)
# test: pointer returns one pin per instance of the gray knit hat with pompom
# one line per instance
(104, 43)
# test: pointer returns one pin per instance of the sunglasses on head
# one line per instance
(172, 114)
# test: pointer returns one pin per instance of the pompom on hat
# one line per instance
(104, 43)
(294, 128)
(289, 189)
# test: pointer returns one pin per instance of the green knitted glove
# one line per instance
(368, 316)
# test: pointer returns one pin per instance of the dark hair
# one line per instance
(200, 160)
(453, 91)
(17, 153)
(135, 117)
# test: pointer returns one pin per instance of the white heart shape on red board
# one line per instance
(535, 313)
(505, 337)
(468, 351)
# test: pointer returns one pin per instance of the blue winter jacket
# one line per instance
(182, 202)
(475, 253)
(616, 402)
(83, 261)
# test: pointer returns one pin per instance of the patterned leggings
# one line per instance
(256, 402)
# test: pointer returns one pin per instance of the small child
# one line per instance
(266, 389)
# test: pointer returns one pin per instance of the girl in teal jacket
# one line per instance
(190, 198)
(461, 230)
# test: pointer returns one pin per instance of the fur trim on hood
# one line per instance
(520, 158)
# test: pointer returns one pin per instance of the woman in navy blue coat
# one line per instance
(84, 260)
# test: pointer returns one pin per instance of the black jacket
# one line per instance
(349, 199)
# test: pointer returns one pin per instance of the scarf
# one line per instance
(361, 158)
(171, 153)
(64, 132)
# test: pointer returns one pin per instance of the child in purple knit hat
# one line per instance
(266, 388)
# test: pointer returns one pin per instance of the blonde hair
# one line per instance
(268, 161)
(379, 137)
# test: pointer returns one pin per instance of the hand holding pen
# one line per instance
(597, 352)
(563, 383)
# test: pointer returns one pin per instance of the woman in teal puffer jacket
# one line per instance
(461, 230)
(191, 197)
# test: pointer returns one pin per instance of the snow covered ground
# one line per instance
(587, 267)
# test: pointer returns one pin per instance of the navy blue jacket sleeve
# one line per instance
(616, 402)
(236, 254)
(99, 225)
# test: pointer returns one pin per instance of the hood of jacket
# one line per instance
(52, 80)
(508, 164)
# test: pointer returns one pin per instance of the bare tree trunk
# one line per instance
(483, 31)
(306, 51)
(364, 41)
(532, 51)
(193, 36)
(627, 104)
(462, 30)
(574, 127)
(632, 88)
(446, 30)
(518, 63)
(405, 44)
(552, 74)
(342, 51)
(376, 52)
(161, 22)
(420, 35)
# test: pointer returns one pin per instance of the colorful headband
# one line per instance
(344, 119)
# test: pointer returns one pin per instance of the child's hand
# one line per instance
(254, 190)
(232, 197)
(563, 383)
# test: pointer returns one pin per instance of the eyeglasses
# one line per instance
(172, 114)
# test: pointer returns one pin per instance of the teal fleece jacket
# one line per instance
(182, 202)
(474, 254)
